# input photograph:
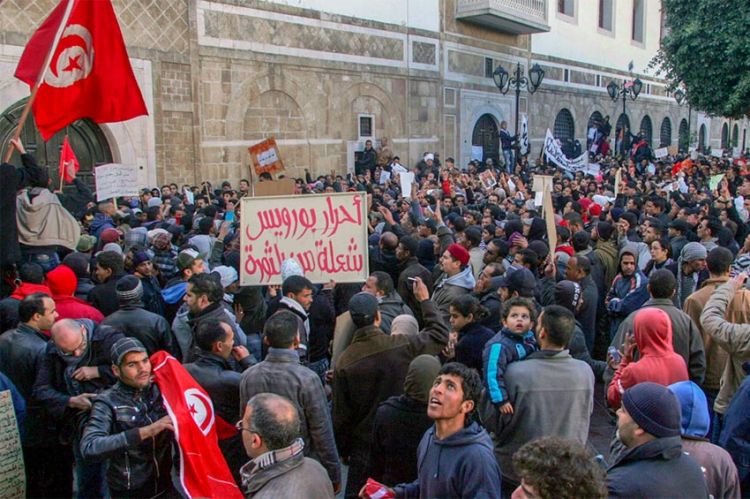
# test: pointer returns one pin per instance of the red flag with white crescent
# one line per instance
(89, 74)
(68, 162)
(203, 470)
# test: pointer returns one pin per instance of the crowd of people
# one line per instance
(464, 366)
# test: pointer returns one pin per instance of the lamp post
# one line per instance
(680, 96)
(504, 81)
(631, 88)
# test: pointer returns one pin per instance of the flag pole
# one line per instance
(40, 78)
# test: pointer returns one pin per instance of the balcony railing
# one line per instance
(509, 16)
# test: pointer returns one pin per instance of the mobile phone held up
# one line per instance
(615, 354)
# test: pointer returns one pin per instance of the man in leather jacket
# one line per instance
(136, 322)
(221, 380)
(127, 426)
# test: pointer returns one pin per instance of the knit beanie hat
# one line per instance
(693, 251)
(139, 257)
(422, 372)
(405, 324)
(459, 253)
(114, 247)
(654, 408)
(86, 243)
(79, 262)
(568, 294)
(129, 288)
(110, 236)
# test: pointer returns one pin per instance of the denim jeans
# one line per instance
(508, 157)
(48, 261)
(710, 399)
(91, 480)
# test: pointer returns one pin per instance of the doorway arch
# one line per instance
(485, 135)
(86, 138)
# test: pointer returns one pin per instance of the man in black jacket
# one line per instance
(134, 321)
(21, 353)
(76, 366)
(127, 428)
(409, 267)
(212, 370)
(109, 268)
(367, 161)
(578, 270)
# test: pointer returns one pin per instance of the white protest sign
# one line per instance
(12, 475)
(406, 179)
(717, 153)
(326, 234)
(477, 152)
(553, 153)
(662, 152)
(384, 177)
(114, 180)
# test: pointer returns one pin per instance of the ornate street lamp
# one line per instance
(504, 81)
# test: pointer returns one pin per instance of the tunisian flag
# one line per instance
(203, 470)
(89, 75)
(68, 162)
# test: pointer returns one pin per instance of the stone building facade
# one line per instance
(220, 75)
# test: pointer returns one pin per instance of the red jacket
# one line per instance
(658, 362)
(62, 281)
(26, 289)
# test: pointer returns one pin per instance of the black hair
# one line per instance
(209, 332)
(30, 305)
(583, 263)
(719, 261)
(295, 284)
(111, 260)
(33, 273)
(471, 382)
(559, 323)
(518, 301)
(467, 304)
(384, 281)
(208, 285)
(662, 283)
(530, 258)
(281, 329)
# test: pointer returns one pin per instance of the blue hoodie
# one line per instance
(462, 465)
(695, 418)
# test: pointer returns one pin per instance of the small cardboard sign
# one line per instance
(265, 157)
(115, 180)
(662, 152)
(281, 187)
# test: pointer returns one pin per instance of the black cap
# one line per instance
(124, 346)
(363, 307)
(680, 225)
(522, 281)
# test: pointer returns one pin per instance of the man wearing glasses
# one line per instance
(75, 367)
(271, 435)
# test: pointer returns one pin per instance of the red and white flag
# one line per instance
(203, 470)
(68, 162)
(89, 74)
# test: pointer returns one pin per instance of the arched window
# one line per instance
(623, 120)
(647, 129)
(665, 134)
(702, 138)
(735, 135)
(86, 138)
(724, 136)
(684, 132)
(596, 117)
(564, 126)
(486, 136)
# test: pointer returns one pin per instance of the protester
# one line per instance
(455, 454)
(130, 429)
(648, 424)
(553, 467)
(282, 374)
(270, 429)
(718, 469)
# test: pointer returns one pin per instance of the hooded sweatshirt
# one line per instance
(627, 294)
(718, 469)
(462, 465)
(658, 362)
(62, 281)
(449, 288)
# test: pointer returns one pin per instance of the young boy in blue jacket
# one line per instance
(515, 341)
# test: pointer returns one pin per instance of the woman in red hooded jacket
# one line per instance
(658, 362)
(62, 281)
